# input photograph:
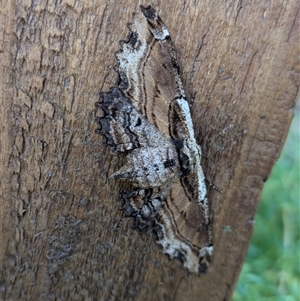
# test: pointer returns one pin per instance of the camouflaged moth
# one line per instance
(146, 116)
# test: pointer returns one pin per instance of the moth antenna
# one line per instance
(213, 185)
(118, 224)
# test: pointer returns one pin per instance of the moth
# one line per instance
(146, 117)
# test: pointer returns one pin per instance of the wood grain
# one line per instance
(62, 233)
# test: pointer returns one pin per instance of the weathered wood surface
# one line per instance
(62, 236)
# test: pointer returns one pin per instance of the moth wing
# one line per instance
(143, 206)
(123, 126)
(185, 226)
(149, 73)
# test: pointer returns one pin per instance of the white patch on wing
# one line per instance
(161, 34)
(128, 62)
(187, 116)
(171, 246)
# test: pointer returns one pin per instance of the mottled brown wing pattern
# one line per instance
(147, 116)
(189, 228)
(151, 84)
(124, 127)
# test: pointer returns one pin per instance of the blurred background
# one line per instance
(272, 267)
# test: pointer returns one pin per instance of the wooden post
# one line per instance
(62, 236)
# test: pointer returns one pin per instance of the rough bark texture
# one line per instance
(62, 236)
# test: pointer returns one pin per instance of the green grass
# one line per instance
(271, 271)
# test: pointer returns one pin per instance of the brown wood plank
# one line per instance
(62, 235)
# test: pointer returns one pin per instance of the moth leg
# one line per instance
(211, 184)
